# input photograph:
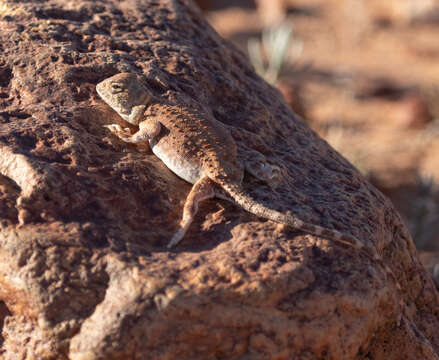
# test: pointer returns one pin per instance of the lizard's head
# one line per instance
(124, 92)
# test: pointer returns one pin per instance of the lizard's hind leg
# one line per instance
(203, 189)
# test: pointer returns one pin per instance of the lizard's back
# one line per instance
(193, 144)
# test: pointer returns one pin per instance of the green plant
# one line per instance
(268, 55)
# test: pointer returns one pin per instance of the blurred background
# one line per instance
(364, 74)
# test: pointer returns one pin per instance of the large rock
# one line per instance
(85, 218)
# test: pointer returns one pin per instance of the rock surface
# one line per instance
(85, 218)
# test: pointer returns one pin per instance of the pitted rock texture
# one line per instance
(85, 218)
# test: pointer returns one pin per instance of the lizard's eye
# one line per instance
(116, 87)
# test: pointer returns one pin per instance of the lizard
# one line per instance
(200, 150)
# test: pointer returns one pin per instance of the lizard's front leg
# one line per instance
(148, 130)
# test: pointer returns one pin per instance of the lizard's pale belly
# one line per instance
(179, 165)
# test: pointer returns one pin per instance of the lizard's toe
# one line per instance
(114, 127)
(176, 238)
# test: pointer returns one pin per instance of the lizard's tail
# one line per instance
(246, 202)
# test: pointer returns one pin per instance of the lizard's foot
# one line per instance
(123, 134)
(117, 130)
(176, 238)
(262, 170)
